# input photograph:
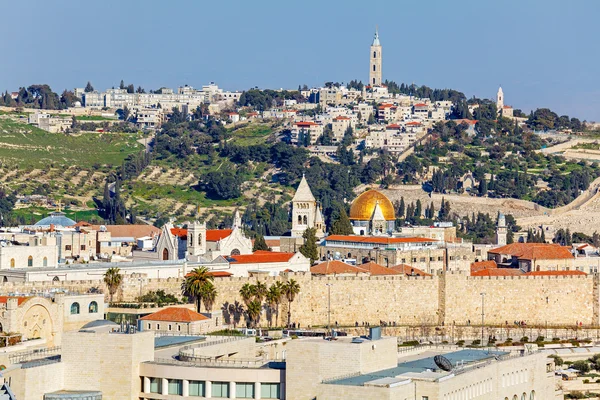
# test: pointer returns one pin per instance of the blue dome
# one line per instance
(56, 219)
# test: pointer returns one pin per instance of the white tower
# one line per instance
(304, 209)
(501, 230)
(196, 239)
(375, 61)
(500, 100)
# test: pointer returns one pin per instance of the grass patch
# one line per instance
(251, 134)
(28, 146)
(94, 118)
(182, 194)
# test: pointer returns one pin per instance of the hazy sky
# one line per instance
(543, 52)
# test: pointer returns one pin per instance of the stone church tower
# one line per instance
(501, 230)
(375, 64)
(305, 213)
(500, 100)
(196, 238)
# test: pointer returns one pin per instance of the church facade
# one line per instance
(196, 243)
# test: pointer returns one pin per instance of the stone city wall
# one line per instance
(450, 298)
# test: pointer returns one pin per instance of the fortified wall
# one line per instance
(446, 298)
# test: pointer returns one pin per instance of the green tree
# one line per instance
(246, 293)
(342, 225)
(260, 291)
(208, 293)
(89, 88)
(309, 249)
(113, 280)
(291, 288)
(193, 285)
(253, 309)
(583, 366)
(260, 244)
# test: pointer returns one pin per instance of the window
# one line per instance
(169, 326)
(176, 386)
(30, 261)
(220, 389)
(424, 397)
(157, 327)
(75, 308)
(191, 239)
(524, 396)
(374, 54)
(12, 262)
(45, 262)
(196, 388)
(56, 279)
(269, 390)
(93, 308)
(374, 68)
(149, 325)
(179, 328)
(83, 247)
(532, 395)
(155, 385)
(68, 247)
(244, 390)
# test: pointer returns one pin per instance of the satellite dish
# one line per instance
(443, 363)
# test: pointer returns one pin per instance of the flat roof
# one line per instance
(420, 365)
(167, 341)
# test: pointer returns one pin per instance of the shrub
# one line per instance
(476, 342)
(581, 366)
(586, 381)
(524, 339)
(460, 343)
(575, 395)
(539, 339)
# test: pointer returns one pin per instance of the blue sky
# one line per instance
(543, 52)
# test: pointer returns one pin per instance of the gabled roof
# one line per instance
(334, 267)
(260, 257)
(498, 272)
(413, 123)
(534, 251)
(175, 314)
(375, 269)
(303, 193)
(409, 270)
(481, 265)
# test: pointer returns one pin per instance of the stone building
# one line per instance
(38, 251)
(305, 212)
(375, 78)
(177, 321)
(530, 257)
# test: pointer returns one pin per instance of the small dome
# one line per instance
(98, 323)
(363, 206)
(56, 219)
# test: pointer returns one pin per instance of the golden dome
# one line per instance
(363, 206)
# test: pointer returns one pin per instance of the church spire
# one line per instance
(303, 193)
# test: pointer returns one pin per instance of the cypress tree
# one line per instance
(309, 248)
(342, 225)
(260, 244)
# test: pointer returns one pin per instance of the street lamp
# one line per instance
(482, 315)
(329, 285)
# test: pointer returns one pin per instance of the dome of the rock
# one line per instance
(364, 205)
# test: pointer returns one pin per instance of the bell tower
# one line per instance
(500, 100)
(196, 239)
(375, 61)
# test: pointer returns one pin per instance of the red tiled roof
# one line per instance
(393, 126)
(555, 273)
(260, 257)
(498, 272)
(220, 274)
(376, 269)
(534, 251)
(481, 265)
(341, 118)
(175, 314)
(413, 123)
(409, 271)
(506, 107)
(21, 299)
(134, 231)
(421, 105)
(377, 239)
(385, 105)
(306, 123)
(212, 235)
(335, 267)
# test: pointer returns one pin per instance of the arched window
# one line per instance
(524, 396)
(191, 239)
(515, 397)
(165, 254)
(12, 262)
(235, 252)
(199, 239)
(374, 54)
(373, 81)
(93, 308)
(532, 395)
(30, 261)
(75, 308)
(374, 68)
(305, 220)
(55, 279)
(299, 219)
(45, 262)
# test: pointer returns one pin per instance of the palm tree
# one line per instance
(246, 293)
(291, 289)
(254, 310)
(280, 294)
(113, 280)
(208, 293)
(260, 291)
(194, 283)
(271, 302)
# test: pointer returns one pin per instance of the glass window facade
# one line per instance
(220, 389)
(244, 390)
(270, 390)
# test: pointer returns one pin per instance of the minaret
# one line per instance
(500, 100)
(501, 230)
(375, 61)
